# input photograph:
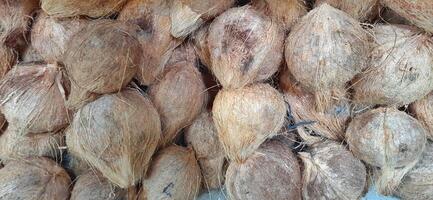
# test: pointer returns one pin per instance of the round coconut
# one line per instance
(271, 172)
(360, 10)
(174, 174)
(117, 134)
(101, 58)
(34, 178)
(423, 111)
(199, 41)
(32, 98)
(92, 8)
(419, 12)
(7, 59)
(93, 185)
(388, 139)
(400, 69)
(202, 136)
(245, 47)
(332, 172)
(246, 117)
(331, 54)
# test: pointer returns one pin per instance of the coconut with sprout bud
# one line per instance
(246, 117)
(423, 111)
(117, 134)
(199, 41)
(7, 59)
(34, 178)
(93, 185)
(331, 54)
(419, 12)
(388, 139)
(360, 10)
(271, 172)
(245, 47)
(174, 174)
(332, 172)
(91, 8)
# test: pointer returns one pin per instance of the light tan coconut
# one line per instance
(174, 174)
(332, 172)
(71, 8)
(7, 60)
(423, 111)
(246, 117)
(388, 139)
(331, 54)
(93, 185)
(34, 178)
(117, 134)
(271, 172)
(400, 69)
(419, 12)
(245, 47)
(32, 98)
(360, 10)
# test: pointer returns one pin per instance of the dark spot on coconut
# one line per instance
(402, 148)
(244, 36)
(247, 64)
(145, 25)
(167, 189)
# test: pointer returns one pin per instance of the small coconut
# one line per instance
(117, 134)
(7, 59)
(419, 12)
(93, 185)
(360, 10)
(199, 41)
(388, 139)
(245, 47)
(332, 172)
(246, 117)
(93, 8)
(423, 111)
(174, 174)
(34, 178)
(271, 172)
(32, 98)
(400, 69)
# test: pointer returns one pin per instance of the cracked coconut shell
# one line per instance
(423, 111)
(94, 186)
(91, 8)
(419, 12)
(7, 60)
(360, 10)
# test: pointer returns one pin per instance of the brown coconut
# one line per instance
(419, 12)
(7, 59)
(127, 129)
(174, 174)
(93, 185)
(271, 172)
(331, 54)
(202, 136)
(423, 111)
(200, 44)
(332, 172)
(91, 8)
(360, 10)
(101, 58)
(32, 98)
(34, 178)
(246, 117)
(388, 139)
(400, 69)
(245, 47)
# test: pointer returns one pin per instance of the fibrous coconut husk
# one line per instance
(419, 12)
(34, 178)
(91, 8)
(423, 111)
(331, 54)
(332, 172)
(200, 44)
(271, 172)
(93, 185)
(183, 53)
(202, 136)
(245, 47)
(246, 117)
(174, 174)
(32, 98)
(101, 58)
(400, 69)
(7, 59)
(117, 134)
(360, 10)
(388, 139)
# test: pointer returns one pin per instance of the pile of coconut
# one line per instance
(216, 100)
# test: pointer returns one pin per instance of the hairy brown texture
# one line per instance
(423, 111)
(93, 185)
(360, 10)
(7, 59)
(419, 12)
(200, 44)
(91, 8)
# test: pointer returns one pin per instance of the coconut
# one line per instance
(32, 98)
(93, 185)
(101, 58)
(400, 70)
(202, 136)
(199, 41)
(7, 59)
(34, 178)
(423, 111)
(332, 172)
(272, 172)
(418, 12)
(388, 139)
(92, 8)
(246, 117)
(126, 138)
(360, 10)
(331, 54)
(174, 174)
(245, 47)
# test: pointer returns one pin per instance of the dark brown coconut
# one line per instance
(419, 12)
(271, 172)
(360, 10)
(423, 111)
(91, 8)
(174, 174)
(7, 60)
(199, 41)
(400, 69)
(388, 139)
(93, 185)
(117, 134)
(34, 178)
(332, 172)
(245, 47)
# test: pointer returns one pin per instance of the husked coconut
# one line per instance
(246, 117)
(93, 185)
(7, 59)
(271, 172)
(174, 174)
(388, 139)
(117, 134)
(245, 47)
(419, 12)
(360, 10)
(34, 178)
(332, 172)
(400, 69)
(200, 44)
(71, 8)
(423, 111)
